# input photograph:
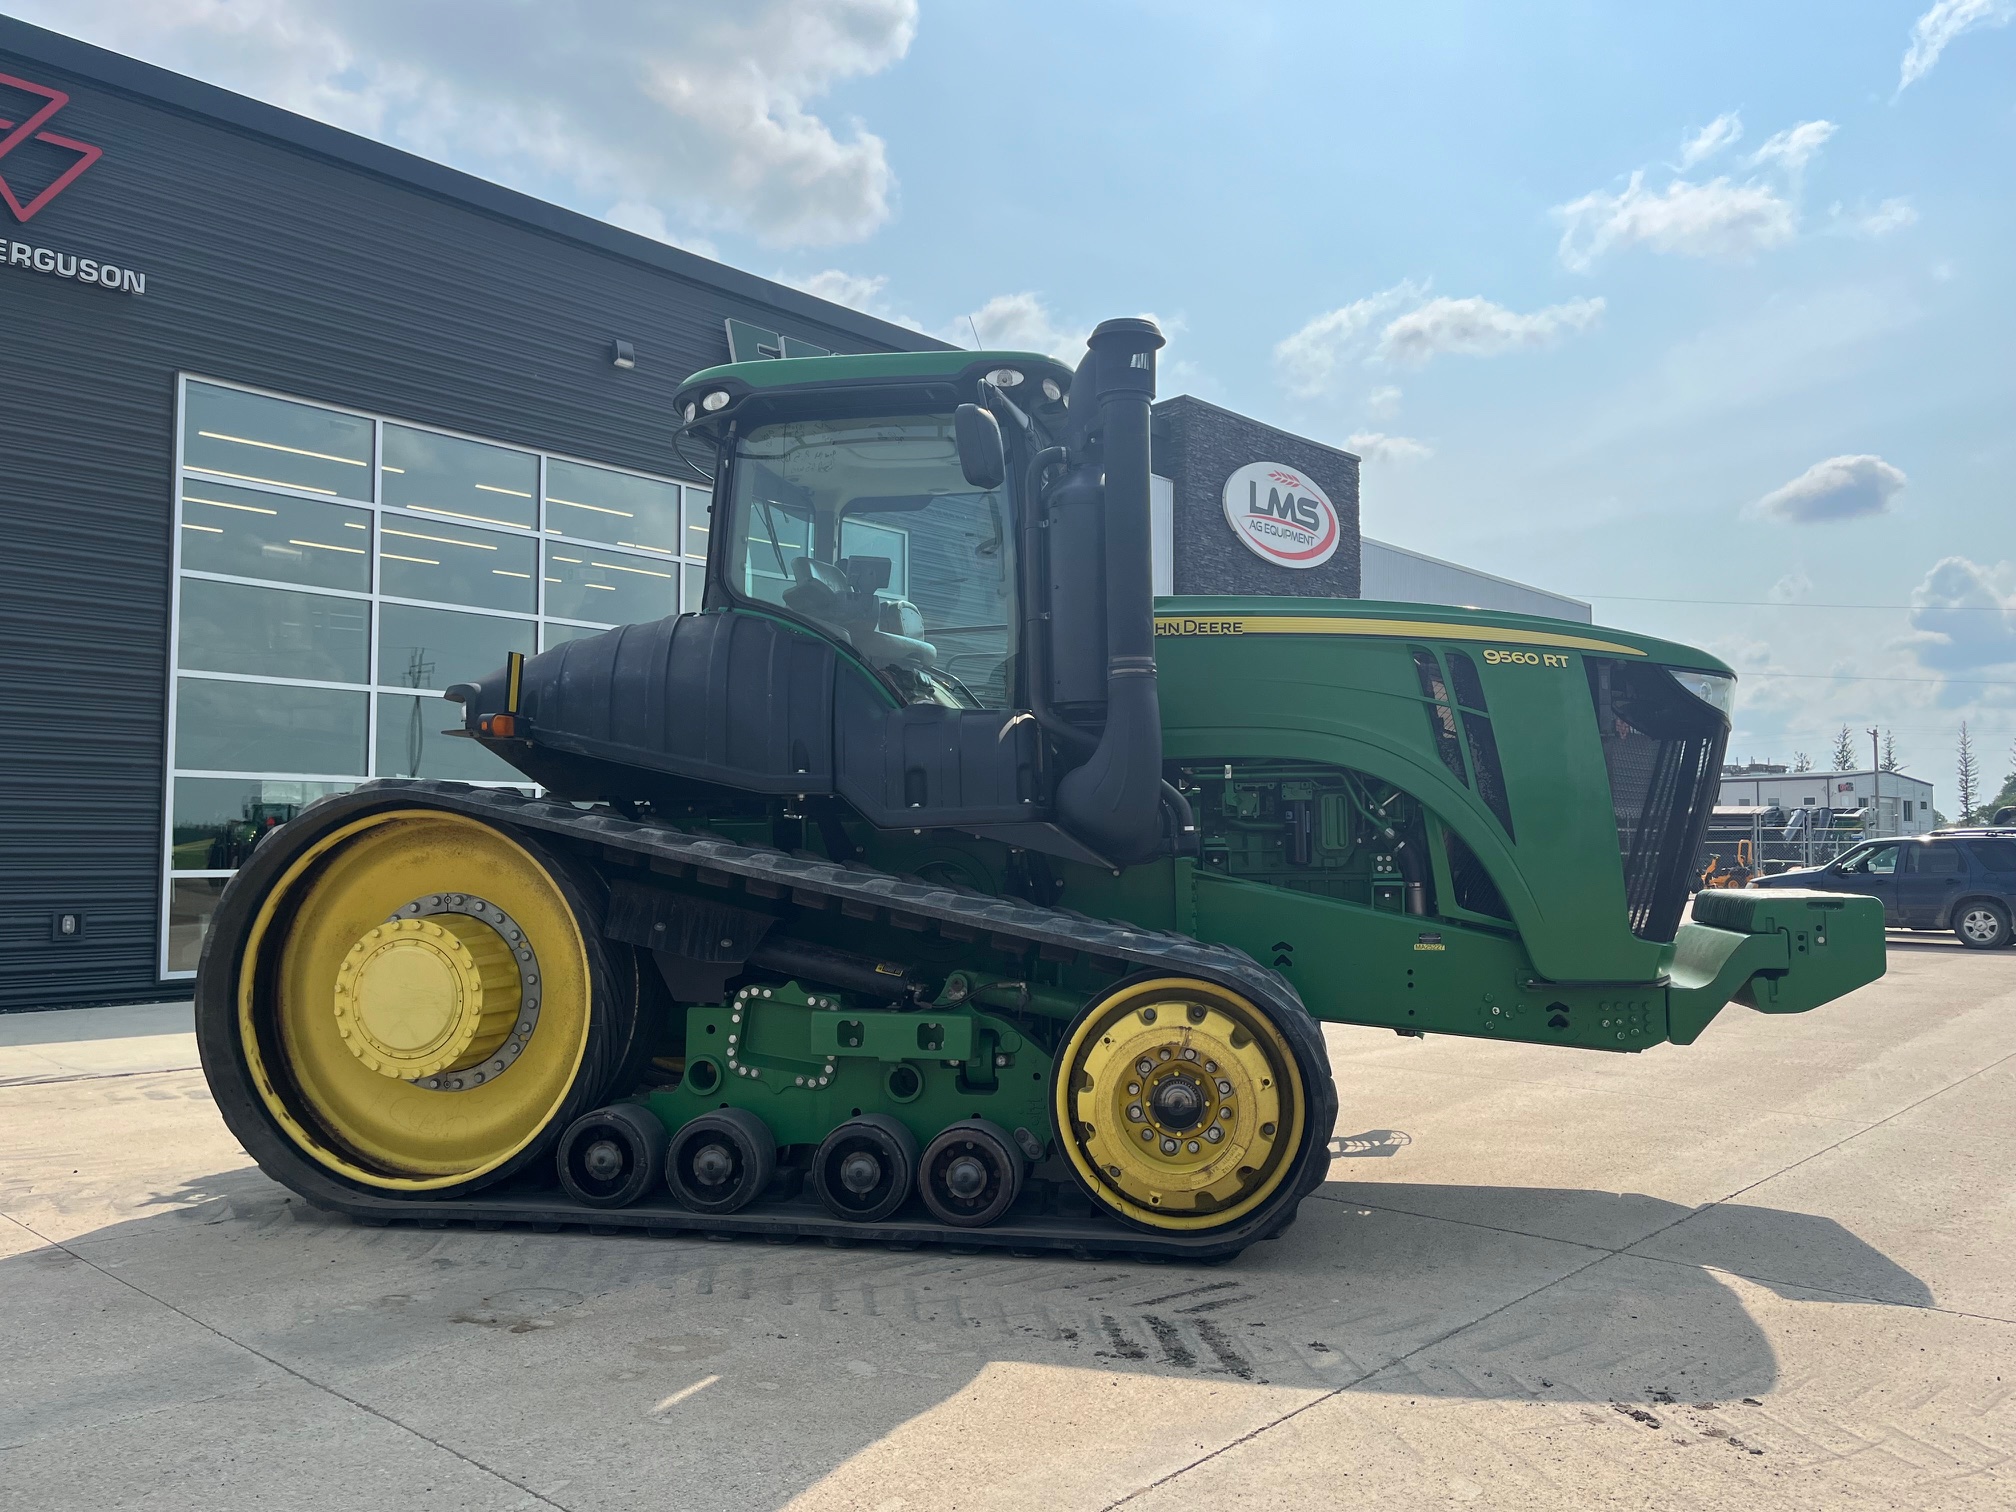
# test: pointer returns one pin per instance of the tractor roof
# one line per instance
(782, 372)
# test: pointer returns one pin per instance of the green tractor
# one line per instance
(935, 883)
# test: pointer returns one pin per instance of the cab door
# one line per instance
(1873, 874)
(1929, 876)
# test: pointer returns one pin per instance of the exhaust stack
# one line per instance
(1113, 801)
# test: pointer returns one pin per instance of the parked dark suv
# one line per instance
(1964, 881)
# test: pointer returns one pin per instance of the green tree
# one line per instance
(1844, 751)
(2007, 797)
(1890, 763)
(1801, 762)
(1967, 778)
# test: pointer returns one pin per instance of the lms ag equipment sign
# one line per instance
(1281, 516)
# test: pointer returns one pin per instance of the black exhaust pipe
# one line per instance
(1113, 802)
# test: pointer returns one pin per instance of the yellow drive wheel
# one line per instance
(416, 1000)
(1180, 1104)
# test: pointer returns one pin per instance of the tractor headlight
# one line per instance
(1004, 377)
(1715, 689)
(715, 401)
(691, 411)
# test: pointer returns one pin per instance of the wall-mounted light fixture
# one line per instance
(622, 355)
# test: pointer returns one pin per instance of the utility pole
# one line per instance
(1875, 775)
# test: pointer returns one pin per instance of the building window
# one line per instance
(336, 572)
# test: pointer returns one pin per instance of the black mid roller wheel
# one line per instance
(721, 1161)
(971, 1174)
(865, 1168)
(611, 1157)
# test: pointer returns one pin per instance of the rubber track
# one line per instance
(716, 860)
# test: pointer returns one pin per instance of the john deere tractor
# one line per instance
(936, 883)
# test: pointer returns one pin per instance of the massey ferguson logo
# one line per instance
(1281, 516)
(30, 130)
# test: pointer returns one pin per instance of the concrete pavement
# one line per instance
(1768, 1269)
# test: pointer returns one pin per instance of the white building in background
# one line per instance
(1898, 804)
(1395, 573)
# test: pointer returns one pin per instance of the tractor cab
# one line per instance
(928, 594)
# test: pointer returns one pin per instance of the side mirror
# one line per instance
(981, 456)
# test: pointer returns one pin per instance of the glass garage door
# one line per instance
(335, 572)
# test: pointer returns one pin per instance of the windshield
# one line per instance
(1876, 860)
(868, 529)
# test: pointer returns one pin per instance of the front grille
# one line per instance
(1663, 749)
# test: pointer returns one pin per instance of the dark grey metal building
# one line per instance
(298, 430)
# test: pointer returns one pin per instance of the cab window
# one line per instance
(1877, 861)
(868, 529)
(1937, 861)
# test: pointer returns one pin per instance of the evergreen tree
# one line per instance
(1966, 778)
(1890, 762)
(1844, 751)
(1801, 762)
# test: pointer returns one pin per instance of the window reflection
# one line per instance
(219, 821)
(453, 564)
(268, 727)
(558, 635)
(600, 505)
(191, 903)
(254, 439)
(465, 480)
(699, 505)
(273, 632)
(413, 742)
(436, 648)
(585, 583)
(241, 533)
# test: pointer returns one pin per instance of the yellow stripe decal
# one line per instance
(514, 677)
(1294, 624)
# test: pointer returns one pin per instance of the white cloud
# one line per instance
(1794, 147)
(1721, 132)
(1723, 218)
(1841, 488)
(858, 291)
(1376, 446)
(1383, 403)
(1308, 359)
(1892, 215)
(1954, 619)
(649, 220)
(1476, 327)
(703, 112)
(1939, 26)
(1025, 323)
(1719, 219)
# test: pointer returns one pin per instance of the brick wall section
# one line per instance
(1199, 446)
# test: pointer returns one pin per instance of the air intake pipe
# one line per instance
(1113, 801)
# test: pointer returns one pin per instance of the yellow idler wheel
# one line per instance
(1180, 1104)
(416, 1000)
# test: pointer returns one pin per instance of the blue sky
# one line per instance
(1645, 305)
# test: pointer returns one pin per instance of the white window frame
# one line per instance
(373, 689)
